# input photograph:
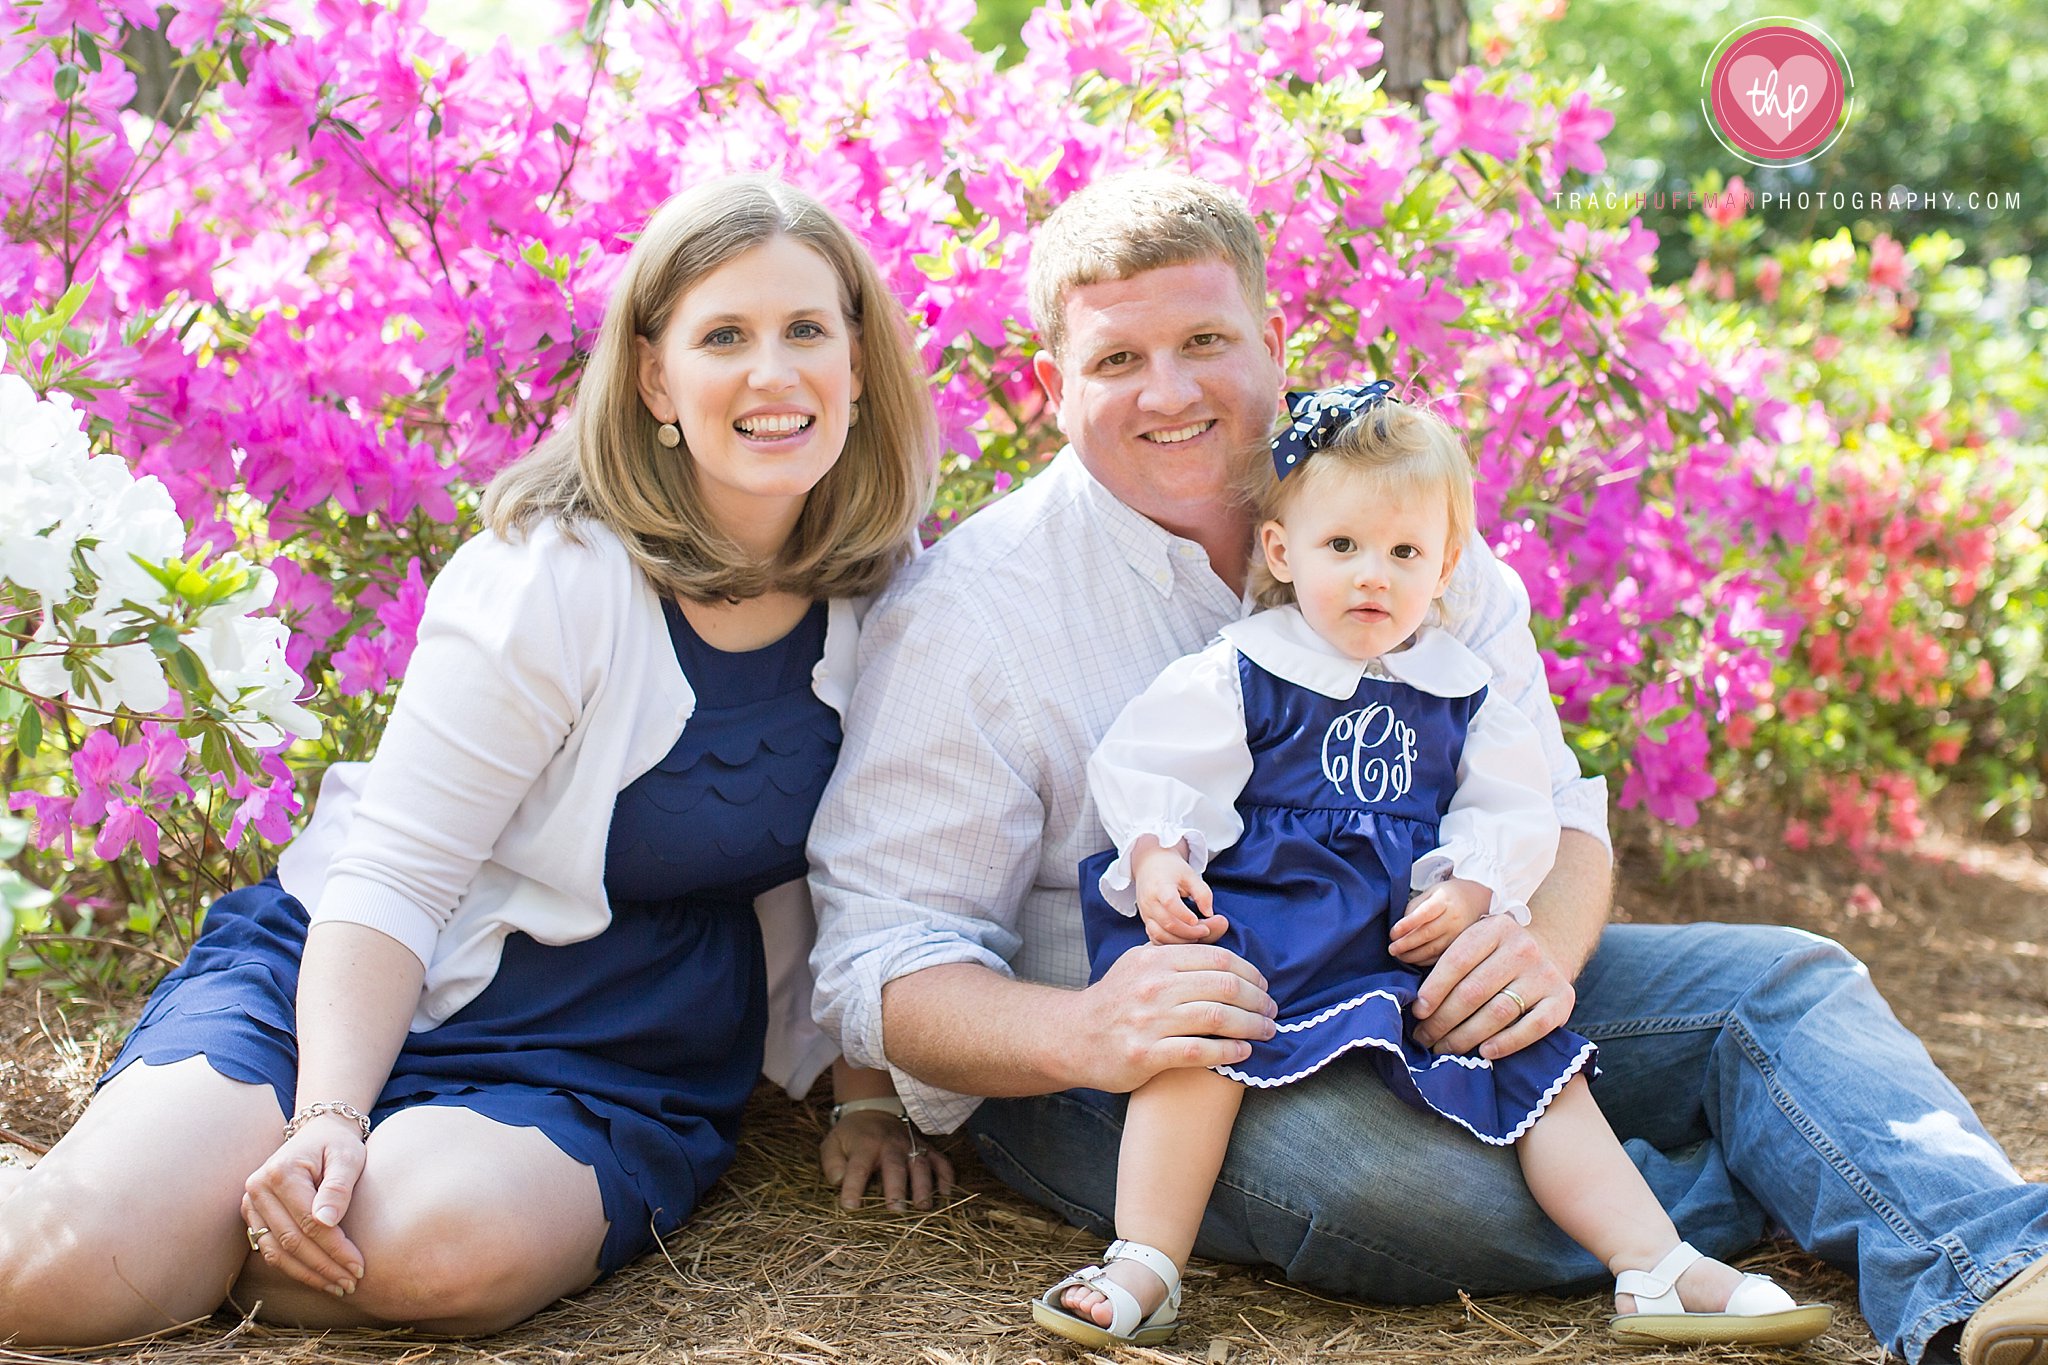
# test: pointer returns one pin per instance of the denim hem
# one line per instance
(1964, 1306)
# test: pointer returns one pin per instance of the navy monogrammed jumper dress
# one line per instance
(1344, 797)
(634, 1051)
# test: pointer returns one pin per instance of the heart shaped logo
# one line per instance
(1777, 94)
(1780, 98)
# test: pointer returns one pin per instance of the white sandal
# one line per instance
(1758, 1313)
(1124, 1329)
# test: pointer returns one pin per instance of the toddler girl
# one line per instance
(1285, 793)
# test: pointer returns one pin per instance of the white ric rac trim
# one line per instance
(1577, 1065)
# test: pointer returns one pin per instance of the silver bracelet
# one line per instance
(314, 1111)
(881, 1104)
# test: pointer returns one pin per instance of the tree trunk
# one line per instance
(161, 87)
(1426, 40)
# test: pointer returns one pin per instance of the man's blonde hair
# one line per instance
(604, 464)
(1126, 224)
(1393, 446)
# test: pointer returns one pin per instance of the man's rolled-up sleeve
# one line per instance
(1490, 613)
(927, 838)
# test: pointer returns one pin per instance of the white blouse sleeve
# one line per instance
(1172, 766)
(1502, 827)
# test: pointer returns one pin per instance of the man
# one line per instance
(1758, 1077)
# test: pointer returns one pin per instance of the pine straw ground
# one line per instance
(1956, 935)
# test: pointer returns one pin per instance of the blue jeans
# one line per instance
(1755, 1075)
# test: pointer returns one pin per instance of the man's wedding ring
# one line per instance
(255, 1236)
(1521, 1005)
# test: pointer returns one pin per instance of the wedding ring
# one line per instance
(1521, 1005)
(255, 1236)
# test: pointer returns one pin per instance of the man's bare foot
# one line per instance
(1148, 1289)
(1703, 1288)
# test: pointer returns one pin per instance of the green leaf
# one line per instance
(67, 81)
(185, 665)
(346, 127)
(594, 20)
(28, 735)
(434, 124)
(239, 62)
(67, 305)
(88, 50)
(21, 894)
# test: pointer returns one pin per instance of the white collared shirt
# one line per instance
(1175, 760)
(954, 825)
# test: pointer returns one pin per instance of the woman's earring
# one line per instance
(853, 414)
(669, 434)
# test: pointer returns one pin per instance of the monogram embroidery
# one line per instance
(1370, 753)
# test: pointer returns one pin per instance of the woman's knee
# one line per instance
(73, 1277)
(446, 1268)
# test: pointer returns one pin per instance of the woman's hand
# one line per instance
(296, 1201)
(870, 1142)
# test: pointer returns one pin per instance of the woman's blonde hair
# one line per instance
(605, 464)
(1392, 445)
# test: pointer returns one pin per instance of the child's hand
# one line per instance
(1437, 917)
(1161, 877)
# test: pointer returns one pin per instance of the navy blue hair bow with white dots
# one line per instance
(1319, 416)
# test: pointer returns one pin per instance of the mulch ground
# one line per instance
(1955, 934)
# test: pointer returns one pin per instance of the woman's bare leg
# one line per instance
(466, 1225)
(1175, 1133)
(133, 1221)
(1584, 1180)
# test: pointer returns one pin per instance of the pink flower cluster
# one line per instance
(376, 261)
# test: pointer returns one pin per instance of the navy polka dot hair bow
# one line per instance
(1319, 416)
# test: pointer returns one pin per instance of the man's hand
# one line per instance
(1436, 918)
(1161, 1006)
(1164, 882)
(1462, 1006)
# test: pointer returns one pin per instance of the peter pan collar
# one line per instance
(1284, 644)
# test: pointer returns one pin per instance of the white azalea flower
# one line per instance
(244, 657)
(136, 681)
(55, 493)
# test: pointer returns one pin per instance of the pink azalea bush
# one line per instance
(1918, 596)
(356, 276)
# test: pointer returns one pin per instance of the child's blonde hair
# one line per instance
(1393, 446)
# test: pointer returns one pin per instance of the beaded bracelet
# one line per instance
(314, 1111)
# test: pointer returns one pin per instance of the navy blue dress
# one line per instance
(1343, 798)
(634, 1051)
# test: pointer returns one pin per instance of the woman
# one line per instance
(513, 1044)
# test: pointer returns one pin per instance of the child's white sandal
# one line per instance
(1049, 1309)
(1758, 1312)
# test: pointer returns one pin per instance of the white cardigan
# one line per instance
(543, 683)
